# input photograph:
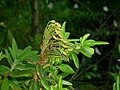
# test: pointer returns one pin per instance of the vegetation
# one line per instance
(26, 71)
(25, 21)
(116, 85)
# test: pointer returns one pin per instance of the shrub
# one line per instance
(26, 70)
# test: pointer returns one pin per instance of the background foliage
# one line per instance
(99, 18)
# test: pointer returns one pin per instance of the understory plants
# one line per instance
(27, 69)
(116, 75)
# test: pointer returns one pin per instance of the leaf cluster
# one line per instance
(28, 71)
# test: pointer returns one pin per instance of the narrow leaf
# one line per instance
(53, 87)
(13, 86)
(45, 85)
(119, 47)
(14, 47)
(89, 43)
(63, 74)
(31, 87)
(66, 69)
(81, 39)
(9, 59)
(39, 70)
(60, 83)
(2, 56)
(16, 82)
(12, 53)
(4, 70)
(5, 84)
(67, 34)
(87, 51)
(23, 85)
(64, 82)
(36, 86)
(100, 43)
(63, 26)
(75, 59)
(114, 86)
(25, 53)
(118, 82)
(24, 67)
(21, 73)
(65, 89)
(84, 38)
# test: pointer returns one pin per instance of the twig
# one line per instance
(91, 65)
(116, 9)
(84, 6)
(115, 46)
(83, 60)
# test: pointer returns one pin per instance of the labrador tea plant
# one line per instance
(27, 70)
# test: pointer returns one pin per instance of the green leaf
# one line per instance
(2, 56)
(2, 23)
(4, 70)
(63, 26)
(114, 86)
(34, 59)
(81, 39)
(23, 85)
(88, 76)
(67, 34)
(16, 82)
(53, 87)
(84, 38)
(89, 43)
(64, 82)
(24, 67)
(100, 43)
(119, 47)
(14, 49)
(60, 83)
(13, 86)
(36, 86)
(12, 53)
(118, 82)
(87, 51)
(63, 74)
(25, 53)
(75, 59)
(39, 70)
(5, 84)
(21, 73)
(31, 87)
(58, 60)
(66, 69)
(34, 52)
(44, 83)
(65, 89)
(9, 59)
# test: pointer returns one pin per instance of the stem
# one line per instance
(13, 66)
(74, 40)
(77, 70)
(91, 66)
(85, 6)
(35, 17)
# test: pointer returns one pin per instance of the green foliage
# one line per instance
(89, 17)
(19, 66)
(26, 71)
(116, 85)
(5, 84)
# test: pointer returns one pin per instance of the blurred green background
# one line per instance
(25, 20)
